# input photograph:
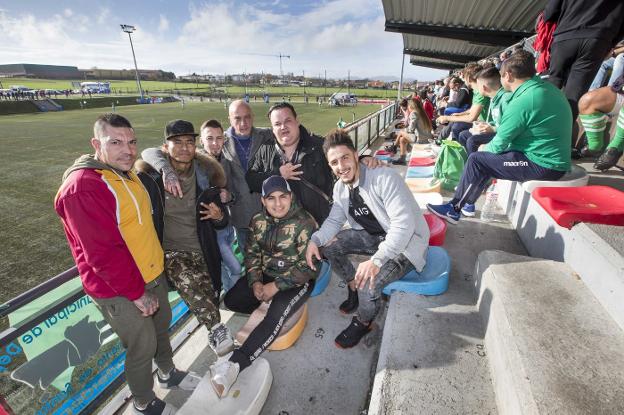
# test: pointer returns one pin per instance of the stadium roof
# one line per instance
(446, 34)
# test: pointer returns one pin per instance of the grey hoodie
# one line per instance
(392, 203)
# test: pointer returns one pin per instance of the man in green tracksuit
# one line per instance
(531, 143)
(277, 271)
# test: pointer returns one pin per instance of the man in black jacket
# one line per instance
(297, 156)
(586, 31)
(186, 227)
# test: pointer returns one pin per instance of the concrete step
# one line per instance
(442, 336)
(594, 252)
(432, 359)
(552, 347)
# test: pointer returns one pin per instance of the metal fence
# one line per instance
(365, 131)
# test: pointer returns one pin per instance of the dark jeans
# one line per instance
(573, 66)
(241, 299)
(483, 166)
(351, 241)
(458, 127)
(472, 142)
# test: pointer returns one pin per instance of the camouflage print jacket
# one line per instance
(277, 247)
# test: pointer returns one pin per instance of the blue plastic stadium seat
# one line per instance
(323, 279)
(433, 280)
(419, 172)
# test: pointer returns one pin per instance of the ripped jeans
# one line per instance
(352, 241)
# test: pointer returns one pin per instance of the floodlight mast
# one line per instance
(129, 29)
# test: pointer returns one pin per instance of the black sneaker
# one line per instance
(608, 159)
(392, 148)
(399, 161)
(156, 407)
(352, 302)
(352, 335)
(178, 379)
(585, 152)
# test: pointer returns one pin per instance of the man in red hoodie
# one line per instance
(106, 215)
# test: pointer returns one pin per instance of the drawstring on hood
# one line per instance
(88, 161)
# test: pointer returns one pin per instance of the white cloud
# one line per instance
(163, 24)
(221, 37)
(103, 16)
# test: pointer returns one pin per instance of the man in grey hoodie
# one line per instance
(386, 223)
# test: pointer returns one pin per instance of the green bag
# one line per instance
(238, 253)
(450, 164)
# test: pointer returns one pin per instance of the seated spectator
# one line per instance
(417, 131)
(443, 90)
(614, 63)
(385, 223)
(404, 112)
(461, 121)
(595, 108)
(461, 101)
(531, 143)
(423, 97)
(276, 272)
(488, 85)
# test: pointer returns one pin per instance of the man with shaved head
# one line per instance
(242, 141)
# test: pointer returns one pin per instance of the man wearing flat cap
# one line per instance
(187, 227)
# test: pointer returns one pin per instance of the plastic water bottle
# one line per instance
(490, 208)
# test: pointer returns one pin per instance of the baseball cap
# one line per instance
(177, 128)
(274, 183)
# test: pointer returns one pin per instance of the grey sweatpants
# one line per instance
(351, 241)
(144, 338)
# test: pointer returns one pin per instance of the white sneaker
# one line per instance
(220, 339)
(223, 375)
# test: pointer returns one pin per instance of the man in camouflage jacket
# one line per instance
(277, 272)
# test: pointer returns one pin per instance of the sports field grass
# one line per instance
(129, 86)
(37, 148)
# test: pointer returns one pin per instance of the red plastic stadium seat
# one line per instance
(422, 161)
(592, 204)
(437, 230)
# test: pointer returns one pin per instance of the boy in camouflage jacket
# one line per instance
(276, 271)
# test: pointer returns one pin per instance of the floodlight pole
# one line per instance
(129, 29)
(401, 80)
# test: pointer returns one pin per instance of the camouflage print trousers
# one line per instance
(189, 274)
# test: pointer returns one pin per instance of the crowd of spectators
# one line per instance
(29, 94)
(579, 48)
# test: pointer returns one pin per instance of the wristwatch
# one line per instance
(377, 262)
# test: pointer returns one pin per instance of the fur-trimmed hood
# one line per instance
(214, 170)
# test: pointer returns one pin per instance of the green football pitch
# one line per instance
(37, 148)
(130, 87)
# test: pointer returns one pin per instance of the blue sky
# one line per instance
(207, 36)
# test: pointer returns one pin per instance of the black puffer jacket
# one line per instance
(316, 171)
(209, 177)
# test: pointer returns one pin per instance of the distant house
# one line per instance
(376, 84)
(121, 74)
(30, 70)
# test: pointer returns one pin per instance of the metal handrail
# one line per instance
(38, 291)
(350, 127)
